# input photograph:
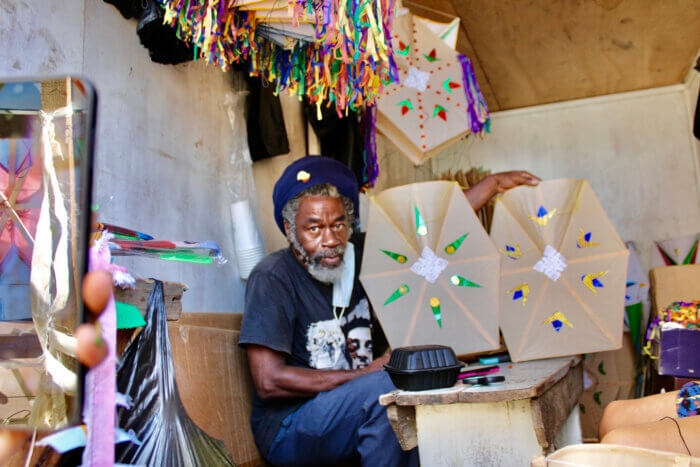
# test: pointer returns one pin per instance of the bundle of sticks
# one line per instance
(468, 179)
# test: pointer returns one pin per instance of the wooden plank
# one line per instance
(547, 51)
(497, 433)
(138, 297)
(551, 409)
(230, 321)
(523, 380)
(403, 422)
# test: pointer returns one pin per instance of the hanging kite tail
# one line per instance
(477, 112)
(370, 171)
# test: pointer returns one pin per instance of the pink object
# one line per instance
(20, 182)
(470, 374)
(100, 382)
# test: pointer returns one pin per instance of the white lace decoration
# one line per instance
(417, 79)
(429, 265)
(552, 264)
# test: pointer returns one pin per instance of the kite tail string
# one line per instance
(370, 170)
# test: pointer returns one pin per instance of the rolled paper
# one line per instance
(421, 228)
(395, 256)
(398, 293)
(452, 247)
(461, 281)
(435, 306)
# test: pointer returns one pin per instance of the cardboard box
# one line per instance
(608, 376)
(678, 348)
(214, 380)
(674, 284)
(678, 353)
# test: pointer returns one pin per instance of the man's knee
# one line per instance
(611, 418)
(618, 436)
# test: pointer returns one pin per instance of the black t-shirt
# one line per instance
(289, 311)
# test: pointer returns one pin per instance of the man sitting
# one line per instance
(308, 328)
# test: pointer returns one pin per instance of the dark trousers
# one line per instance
(340, 425)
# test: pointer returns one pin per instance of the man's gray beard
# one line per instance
(325, 274)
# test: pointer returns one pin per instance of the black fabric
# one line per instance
(286, 310)
(146, 374)
(159, 39)
(128, 8)
(341, 138)
(267, 136)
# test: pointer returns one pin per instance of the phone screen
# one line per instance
(46, 138)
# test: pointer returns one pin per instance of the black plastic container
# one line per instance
(423, 367)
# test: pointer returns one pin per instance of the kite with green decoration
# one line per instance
(430, 270)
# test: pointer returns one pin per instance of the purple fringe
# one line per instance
(476, 125)
(370, 171)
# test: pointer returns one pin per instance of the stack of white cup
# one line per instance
(246, 237)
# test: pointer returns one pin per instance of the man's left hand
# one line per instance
(507, 180)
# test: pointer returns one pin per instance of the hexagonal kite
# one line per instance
(563, 271)
(430, 270)
(437, 101)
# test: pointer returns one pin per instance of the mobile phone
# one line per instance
(46, 150)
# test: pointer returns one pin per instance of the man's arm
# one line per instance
(275, 379)
(482, 192)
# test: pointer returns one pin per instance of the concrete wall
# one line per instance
(163, 136)
(636, 149)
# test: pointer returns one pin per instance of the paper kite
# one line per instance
(637, 304)
(437, 101)
(563, 271)
(430, 270)
(676, 251)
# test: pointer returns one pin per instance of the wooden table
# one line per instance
(503, 424)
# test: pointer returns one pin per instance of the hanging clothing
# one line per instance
(160, 40)
(341, 139)
(267, 136)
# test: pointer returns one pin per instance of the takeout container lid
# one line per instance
(423, 367)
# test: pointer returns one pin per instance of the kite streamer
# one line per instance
(479, 118)
(346, 65)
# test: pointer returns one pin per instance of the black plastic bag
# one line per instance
(146, 374)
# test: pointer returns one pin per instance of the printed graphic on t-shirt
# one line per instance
(358, 331)
(325, 342)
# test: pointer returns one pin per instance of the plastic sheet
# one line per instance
(146, 374)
